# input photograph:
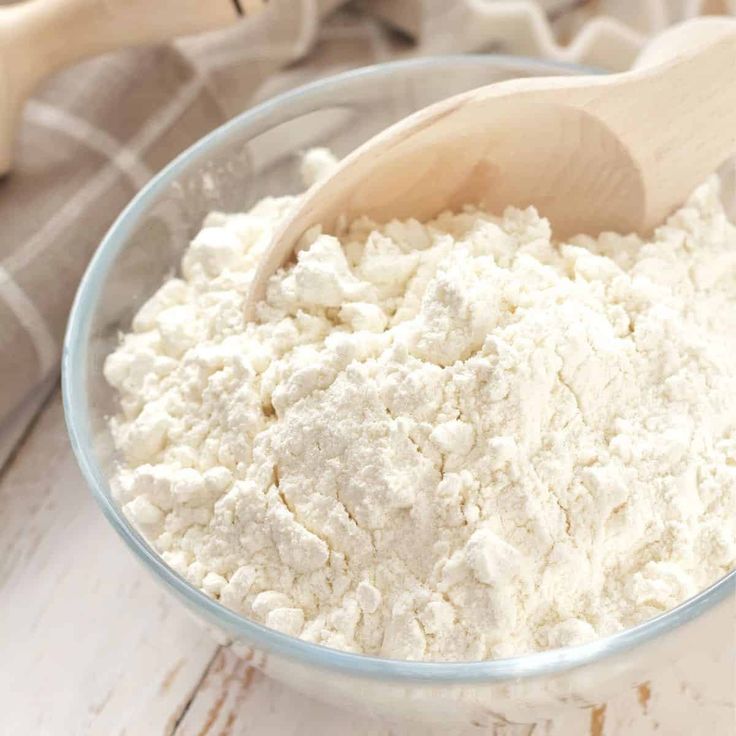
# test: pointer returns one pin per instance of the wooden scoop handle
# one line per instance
(39, 37)
(686, 75)
(683, 39)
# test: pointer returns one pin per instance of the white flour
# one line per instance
(446, 441)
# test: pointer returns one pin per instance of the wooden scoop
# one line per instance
(615, 152)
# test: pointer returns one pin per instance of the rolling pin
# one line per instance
(39, 37)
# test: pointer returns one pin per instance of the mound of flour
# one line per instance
(455, 440)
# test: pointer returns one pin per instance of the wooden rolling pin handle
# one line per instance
(39, 37)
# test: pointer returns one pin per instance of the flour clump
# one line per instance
(453, 440)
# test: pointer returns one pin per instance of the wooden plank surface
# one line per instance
(89, 643)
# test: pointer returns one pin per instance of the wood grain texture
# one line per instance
(235, 700)
(90, 645)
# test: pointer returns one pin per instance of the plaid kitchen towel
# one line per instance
(97, 132)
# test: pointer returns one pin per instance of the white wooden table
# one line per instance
(90, 645)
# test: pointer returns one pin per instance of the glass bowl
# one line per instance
(254, 155)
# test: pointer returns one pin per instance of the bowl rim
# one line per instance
(73, 381)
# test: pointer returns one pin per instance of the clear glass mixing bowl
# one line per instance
(254, 155)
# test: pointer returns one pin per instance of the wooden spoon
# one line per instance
(593, 153)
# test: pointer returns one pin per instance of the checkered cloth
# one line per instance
(96, 133)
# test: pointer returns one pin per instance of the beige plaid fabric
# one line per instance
(96, 133)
